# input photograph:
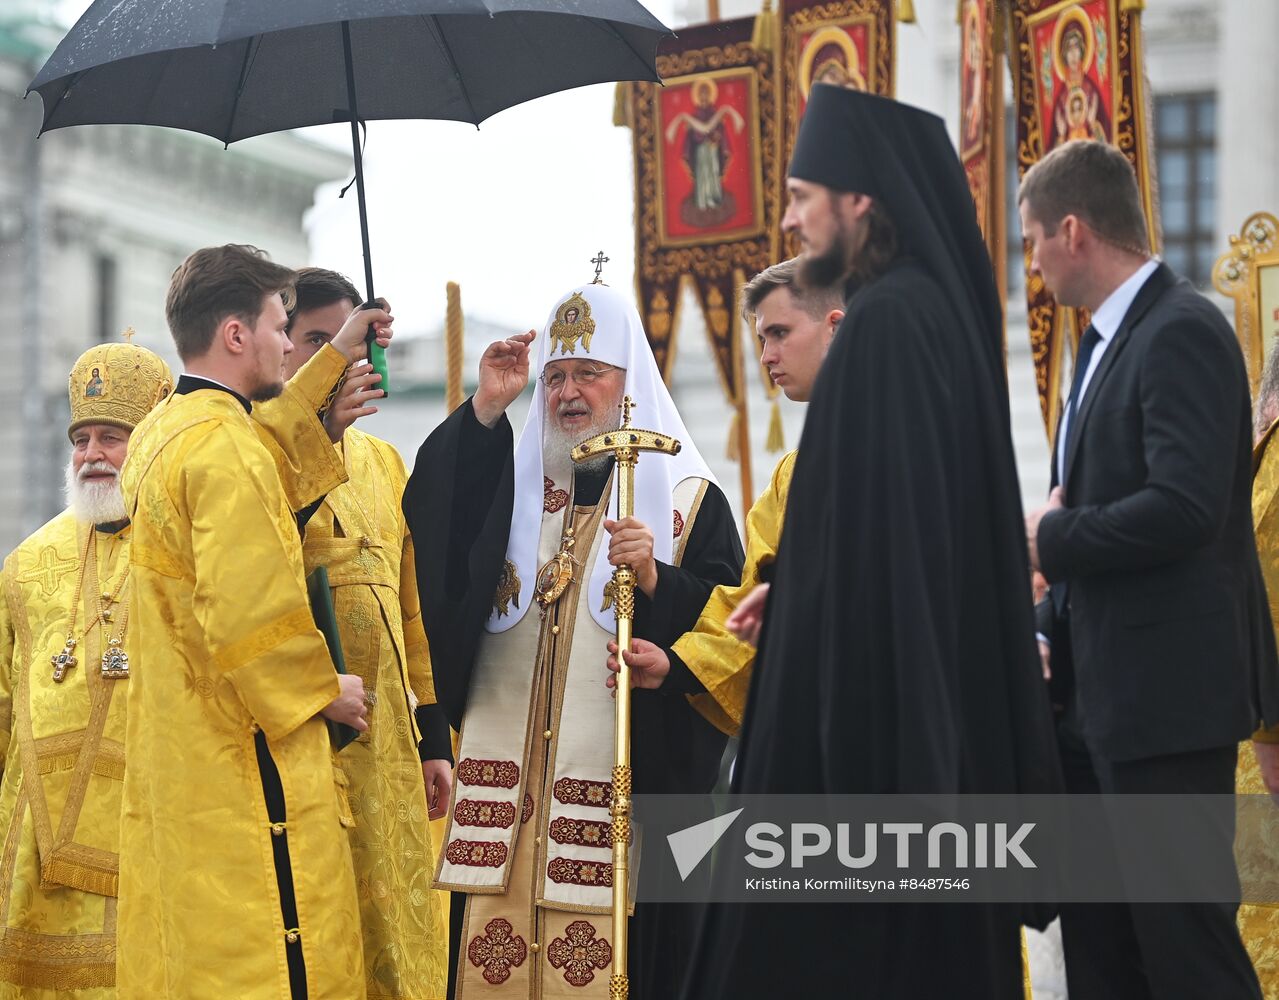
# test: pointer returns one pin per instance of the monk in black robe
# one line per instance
(898, 651)
(518, 647)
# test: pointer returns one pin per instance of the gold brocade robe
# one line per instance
(63, 767)
(223, 644)
(1259, 924)
(62, 744)
(359, 533)
(720, 660)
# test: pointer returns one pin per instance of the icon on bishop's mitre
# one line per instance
(95, 386)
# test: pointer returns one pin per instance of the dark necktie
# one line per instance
(1087, 344)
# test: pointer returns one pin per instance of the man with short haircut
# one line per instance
(898, 654)
(1147, 541)
(396, 783)
(236, 875)
(794, 325)
(64, 672)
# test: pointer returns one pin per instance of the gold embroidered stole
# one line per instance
(60, 727)
(538, 703)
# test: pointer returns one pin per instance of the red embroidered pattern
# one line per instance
(580, 872)
(528, 808)
(679, 524)
(491, 773)
(552, 499)
(583, 832)
(497, 950)
(475, 812)
(581, 954)
(579, 792)
(476, 853)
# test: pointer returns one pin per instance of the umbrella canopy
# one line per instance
(232, 69)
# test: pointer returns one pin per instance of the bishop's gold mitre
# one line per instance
(116, 384)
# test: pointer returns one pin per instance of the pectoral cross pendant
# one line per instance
(115, 661)
(64, 661)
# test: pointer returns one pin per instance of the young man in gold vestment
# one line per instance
(396, 782)
(236, 875)
(62, 737)
(794, 326)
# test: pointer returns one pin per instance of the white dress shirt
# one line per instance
(1106, 322)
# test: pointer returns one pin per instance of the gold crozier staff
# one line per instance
(624, 444)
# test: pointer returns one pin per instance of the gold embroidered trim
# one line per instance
(263, 640)
(71, 867)
(43, 975)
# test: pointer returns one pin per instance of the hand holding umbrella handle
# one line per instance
(377, 353)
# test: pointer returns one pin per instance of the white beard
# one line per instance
(95, 502)
(557, 447)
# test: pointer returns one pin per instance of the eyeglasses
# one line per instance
(554, 378)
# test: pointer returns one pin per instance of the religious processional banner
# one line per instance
(848, 43)
(981, 120)
(1078, 73)
(706, 181)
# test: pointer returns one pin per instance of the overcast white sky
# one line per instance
(513, 212)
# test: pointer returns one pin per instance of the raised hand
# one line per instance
(504, 370)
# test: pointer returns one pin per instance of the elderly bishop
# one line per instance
(64, 616)
(515, 550)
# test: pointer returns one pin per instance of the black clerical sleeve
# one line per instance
(458, 506)
(674, 749)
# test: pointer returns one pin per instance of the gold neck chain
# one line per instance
(115, 662)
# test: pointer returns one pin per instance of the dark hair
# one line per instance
(816, 300)
(1094, 181)
(880, 248)
(317, 287)
(216, 283)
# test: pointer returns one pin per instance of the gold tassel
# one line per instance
(454, 328)
(622, 105)
(1131, 6)
(776, 440)
(906, 11)
(732, 452)
(959, 11)
(764, 35)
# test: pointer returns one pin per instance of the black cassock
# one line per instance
(898, 652)
(458, 505)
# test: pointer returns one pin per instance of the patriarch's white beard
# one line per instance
(557, 445)
(97, 502)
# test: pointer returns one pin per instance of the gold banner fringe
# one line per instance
(454, 329)
(1129, 6)
(906, 11)
(776, 440)
(765, 33)
(622, 105)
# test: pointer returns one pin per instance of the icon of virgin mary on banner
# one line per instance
(1078, 73)
(1075, 72)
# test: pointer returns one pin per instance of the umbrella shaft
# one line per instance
(354, 110)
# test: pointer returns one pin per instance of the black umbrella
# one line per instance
(232, 69)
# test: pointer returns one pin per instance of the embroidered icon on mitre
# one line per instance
(573, 323)
(508, 590)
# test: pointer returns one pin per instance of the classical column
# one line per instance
(1248, 110)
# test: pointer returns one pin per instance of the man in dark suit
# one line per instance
(1147, 541)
